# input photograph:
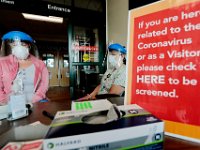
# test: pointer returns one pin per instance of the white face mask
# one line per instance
(113, 62)
(21, 52)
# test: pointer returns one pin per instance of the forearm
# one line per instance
(42, 88)
(91, 95)
(44, 83)
(95, 92)
(116, 89)
(3, 95)
(3, 99)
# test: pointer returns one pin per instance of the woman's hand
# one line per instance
(90, 96)
(85, 98)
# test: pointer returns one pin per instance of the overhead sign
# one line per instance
(36, 7)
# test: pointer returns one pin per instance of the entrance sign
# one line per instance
(164, 64)
(36, 7)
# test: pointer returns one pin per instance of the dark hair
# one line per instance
(124, 61)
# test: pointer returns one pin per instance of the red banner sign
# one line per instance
(85, 48)
(166, 67)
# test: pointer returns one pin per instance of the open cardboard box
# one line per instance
(136, 128)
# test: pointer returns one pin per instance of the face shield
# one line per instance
(116, 56)
(17, 43)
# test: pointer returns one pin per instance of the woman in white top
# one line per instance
(113, 80)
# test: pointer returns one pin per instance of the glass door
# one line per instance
(64, 69)
(58, 66)
(51, 61)
(85, 61)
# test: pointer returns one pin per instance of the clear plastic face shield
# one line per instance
(114, 59)
(19, 44)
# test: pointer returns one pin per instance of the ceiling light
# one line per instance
(43, 18)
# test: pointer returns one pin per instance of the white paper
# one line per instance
(32, 132)
(20, 134)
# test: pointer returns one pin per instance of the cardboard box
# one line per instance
(136, 129)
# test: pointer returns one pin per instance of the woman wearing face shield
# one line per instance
(20, 71)
(113, 80)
